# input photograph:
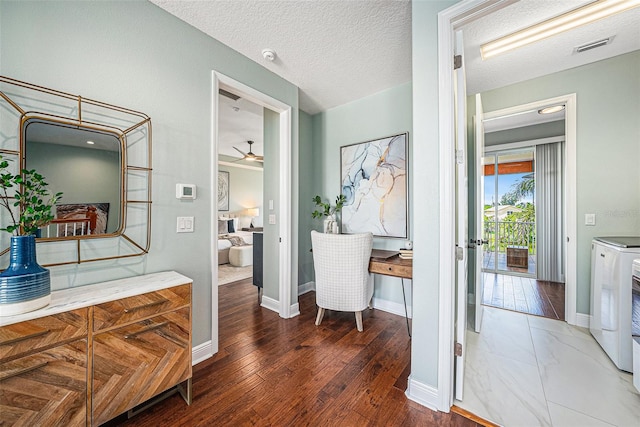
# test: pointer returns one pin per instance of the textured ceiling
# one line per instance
(334, 51)
(340, 51)
(239, 121)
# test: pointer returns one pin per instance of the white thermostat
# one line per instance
(186, 191)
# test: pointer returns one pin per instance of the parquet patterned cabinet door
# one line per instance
(43, 371)
(46, 388)
(133, 363)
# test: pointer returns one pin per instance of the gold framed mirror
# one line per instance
(97, 154)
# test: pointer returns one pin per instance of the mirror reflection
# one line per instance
(84, 164)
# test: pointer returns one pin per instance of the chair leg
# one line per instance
(359, 320)
(319, 316)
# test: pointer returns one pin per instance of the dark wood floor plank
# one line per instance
(525, 294)
(275, 372)
(509, 301)
(518, 295)
(489, 281)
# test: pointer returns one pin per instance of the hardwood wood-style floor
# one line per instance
(275, 372)
(525, 295)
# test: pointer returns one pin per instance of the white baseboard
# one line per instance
(423, 394)
(294, 310)
(391, 307)
(270, 304)
(201, 352)
(582, 320)
(306, 287)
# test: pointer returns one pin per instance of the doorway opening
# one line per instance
(240, 188)
(509, 212)
(281, 234)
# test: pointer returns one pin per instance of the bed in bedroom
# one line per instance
(230, 234)
(227, 240)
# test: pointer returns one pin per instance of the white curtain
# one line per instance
(550, 234)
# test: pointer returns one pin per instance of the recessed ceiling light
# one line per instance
(561, 23)
(551, 110)
(90, 142)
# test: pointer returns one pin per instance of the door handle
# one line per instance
(478, 242)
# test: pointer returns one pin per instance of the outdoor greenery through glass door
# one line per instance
(509, 212)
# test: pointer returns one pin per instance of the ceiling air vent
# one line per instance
(228, 94)
(593, 45)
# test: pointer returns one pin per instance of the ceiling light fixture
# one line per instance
(269, 54)
(90, 142)
(551, 110)
(561, 23)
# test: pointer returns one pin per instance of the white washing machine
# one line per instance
(635, 321)
(611, 297)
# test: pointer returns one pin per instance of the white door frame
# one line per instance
(285, 210)
(448, 21)
(570, 201)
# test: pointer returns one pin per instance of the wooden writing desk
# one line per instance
(389, 263)
(383, 262)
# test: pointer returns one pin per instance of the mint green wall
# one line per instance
(271, 192)
(136, 55)
(306, 191)
(608, 147)
(382, 114)
(245, 189)
(426, 206)
(83, 175)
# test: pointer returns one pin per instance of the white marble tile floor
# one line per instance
(525, 370)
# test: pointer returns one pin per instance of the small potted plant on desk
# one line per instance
(24, 286)
(326, 210)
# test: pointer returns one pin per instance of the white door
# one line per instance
(462, 215)
(479, 202)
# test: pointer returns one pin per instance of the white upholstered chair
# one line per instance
(343, 281)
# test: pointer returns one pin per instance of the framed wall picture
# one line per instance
(78, 219)
(373, 176)
(223, 191)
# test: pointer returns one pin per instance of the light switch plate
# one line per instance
(589, 219)
(185, 224)
(270, 205)
(272, 219)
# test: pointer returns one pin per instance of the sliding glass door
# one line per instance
(509, 212)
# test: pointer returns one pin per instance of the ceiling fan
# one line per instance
(250, 157)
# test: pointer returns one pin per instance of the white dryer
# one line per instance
(611, 297)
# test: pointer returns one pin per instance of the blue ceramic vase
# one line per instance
(24, 285)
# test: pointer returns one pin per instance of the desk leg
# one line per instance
(406, 314)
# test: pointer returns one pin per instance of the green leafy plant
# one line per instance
(31, 196)
(325, 209)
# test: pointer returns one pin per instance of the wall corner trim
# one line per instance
(270, 303)
(582, 320)
(201, 352)
(423, 394)
(306, 287)
(294, 310)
